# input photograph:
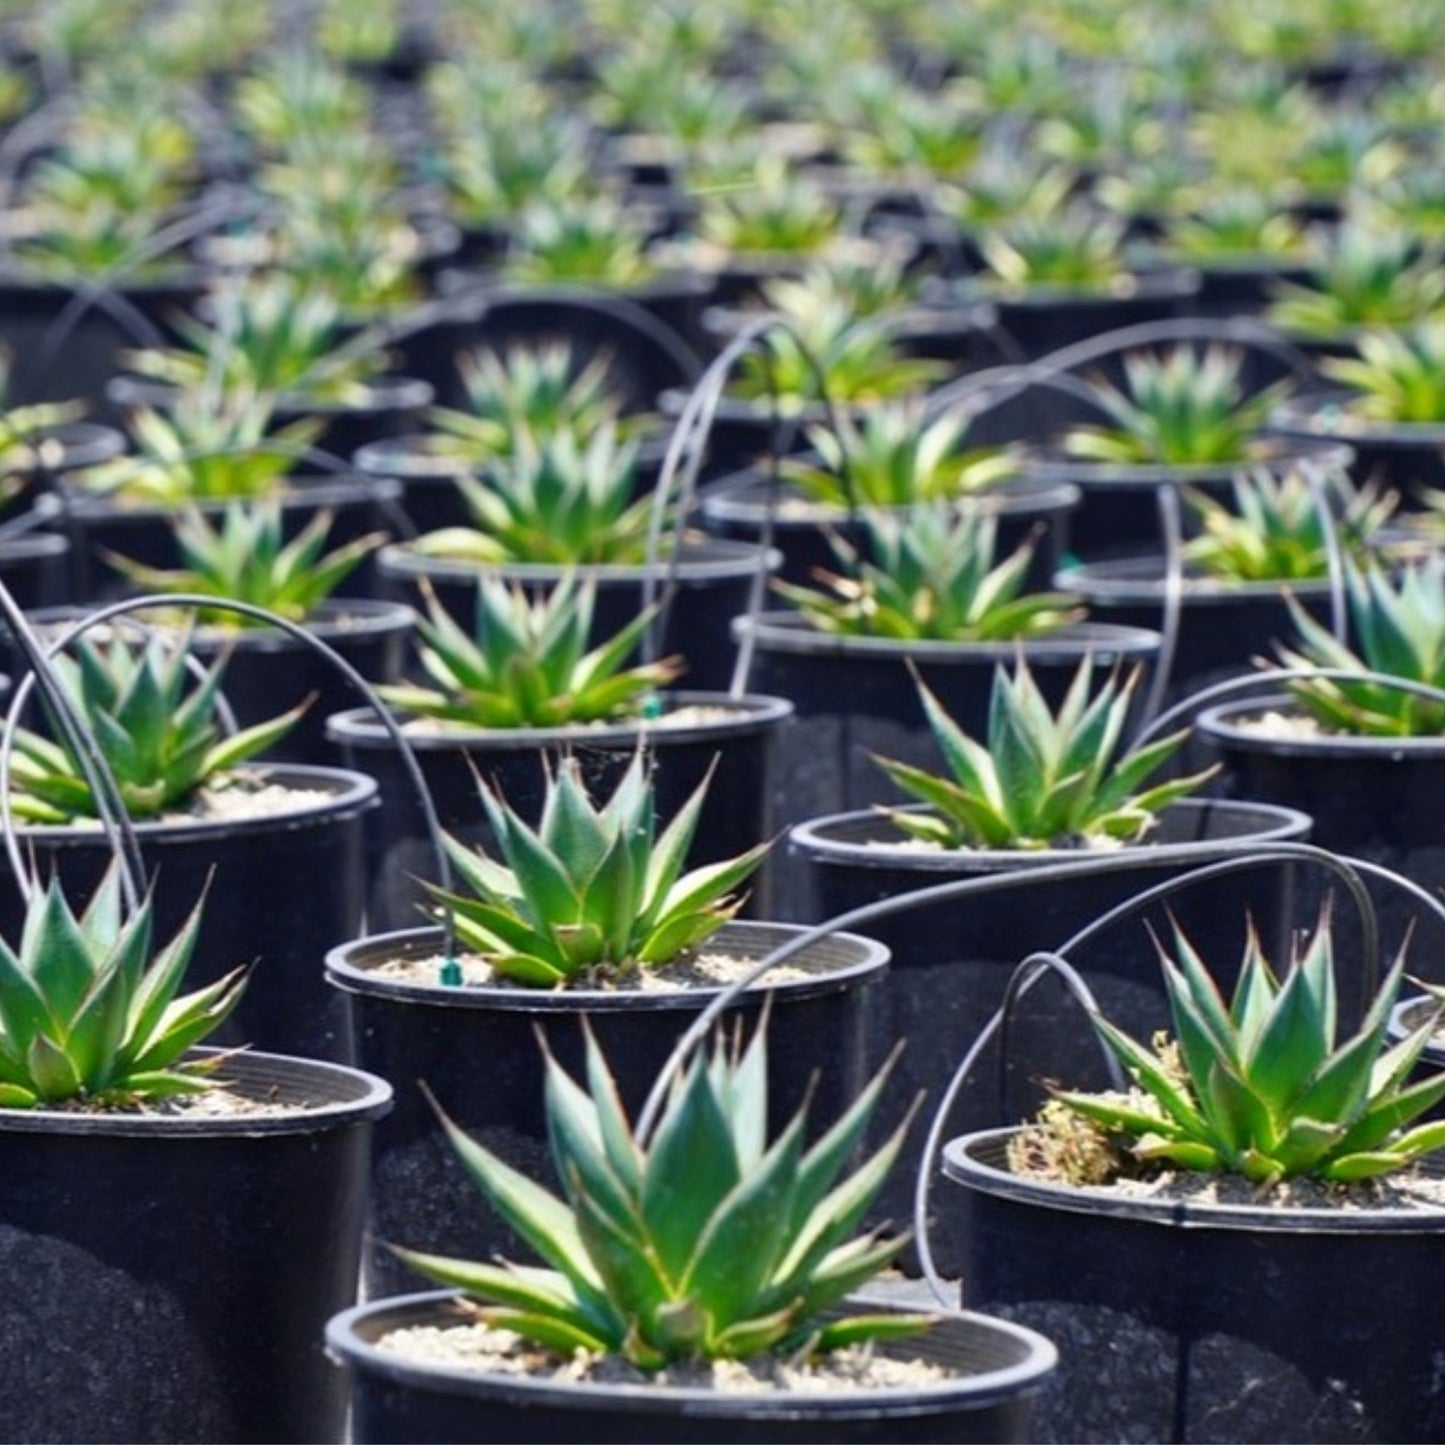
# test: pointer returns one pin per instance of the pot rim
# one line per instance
(742, 498)
(349, 793)
(1285, 451)
(962, 1164)
(1277, 824)
(337, 617)
(349, 1096)
(698, 560)
(1038, 1357)
(1166, 280)
(1218, 724)
(312, 491)
(754, 712)
(862, 958)
(1323, 413)
(1142, 579)
(389, 391)
(792, 632)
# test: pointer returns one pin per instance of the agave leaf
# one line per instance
(1137, 1060)
(706, 886)
(542, 1219)
(748, 1232)
(564, 1336)
(51, 1070)
(617, 1141)
(97, 1029)
(578, 1152)
(492, 930)
(185, 1021)
(247, 742)
(669, 854)
(53, 950)
(691, 1167)
(755, 1335)
(1282, 1061)
(867, 1329)
(843, 1270)
(632, 1276)
(161, 981)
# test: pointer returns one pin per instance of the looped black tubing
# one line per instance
(689, 439)
(1081, 866)
(193, 665)
(342, 666)
(1028, 973)
(1238, 331)
(1248, 683)
(74, 729)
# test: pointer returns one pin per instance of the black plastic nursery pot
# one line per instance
(714, 580)
(1223, 625)
(1380, 799)
(99, 525)
(280, 888)
(1047, 320)
(167, 1277)
(1119, 512)
(35, 568)
(740, 507)
(648, 332)
(1409, 457)
(66, 342)
(998, 1369)
(60, 449)
(855, 697)
(388, 406)
(1186, 1321)
(476, 1049)
(268, 671)
(953, 958)
(431, 497)
(733, 736)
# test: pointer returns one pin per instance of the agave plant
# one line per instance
(557, 500)
(24, 430)
(832, 353)
(591, 891)
(1400, 627)
(1238, 225)
(1180, 408)
(1275, 530)
(531, 393)
(271, 337)
(700, 1241)
(779, 214)
(591, 242)
(893, 457)
(1398, 376)
(1005, 187)
(204, 449)
(1041, 779)
(1262, 1086)
(1070, 249)
(101, 207)
(880, 289)
(526, 662)
(90, 1015)
(493, 175)
(247, 558)
(161, 740)
(294, 98)
(1368, 278)
(931, 573)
